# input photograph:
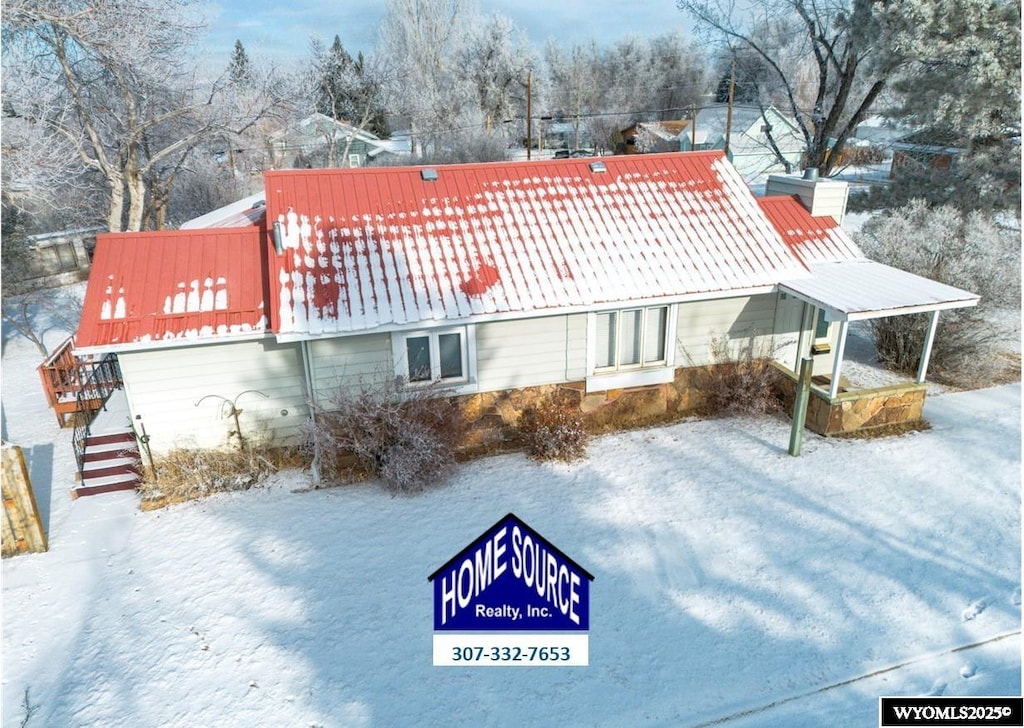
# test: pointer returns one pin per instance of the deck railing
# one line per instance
(102, 381)
(73, 384)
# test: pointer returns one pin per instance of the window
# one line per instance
(631, 339)
(431, 356)
(821, 328)
(353, 160)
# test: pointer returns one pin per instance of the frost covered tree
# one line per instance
(113, 82)
(240, 68)
(829, 61)
(497, 59)
(964, 81)
(575, 84)
(974, 251)
(604, 89)
(349, 89)
(426, 39)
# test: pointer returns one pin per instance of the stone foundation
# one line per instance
(493, 416)
(856, 410)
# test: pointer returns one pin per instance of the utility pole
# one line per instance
(728, 114)
(529, 114)
(693, 128)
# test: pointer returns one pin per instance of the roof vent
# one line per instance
(811, 173)
(428, 175)
(598, 167)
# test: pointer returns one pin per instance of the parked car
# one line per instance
(567, 153)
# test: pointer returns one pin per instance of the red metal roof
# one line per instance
(374, 247)
(174, 287)
(813, 239)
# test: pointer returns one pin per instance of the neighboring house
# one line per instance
(750, 149)
(308, 144)
(609, 278)
(646, 137)
(56, 259)
(564, 134)
(928, 149)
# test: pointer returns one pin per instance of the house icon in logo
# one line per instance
(510, 578)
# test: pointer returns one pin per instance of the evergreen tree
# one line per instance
(346, 89)
(334, 95)
(239, 69)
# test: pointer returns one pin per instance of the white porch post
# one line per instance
(837, 363)
(929, 339)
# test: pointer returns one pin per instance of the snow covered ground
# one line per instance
(735, 585)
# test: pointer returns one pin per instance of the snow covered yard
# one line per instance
(734, 583)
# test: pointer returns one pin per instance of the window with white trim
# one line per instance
(433, 356)
(631, 338)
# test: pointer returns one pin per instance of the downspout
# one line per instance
(307, 371)
(929, 339)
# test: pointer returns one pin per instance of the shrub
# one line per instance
(407, 438)
(976, 252)
(739, 380)
(553, 429)
(187, 473)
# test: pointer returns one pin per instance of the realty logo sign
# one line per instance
(511, 579)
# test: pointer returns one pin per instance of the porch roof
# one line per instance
(854, 290)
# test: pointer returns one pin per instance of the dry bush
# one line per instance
(405, 437)
(740, 380)
(187, 473)
(553, 429)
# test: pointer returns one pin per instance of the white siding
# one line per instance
(788, 318)
(735, 319)
(164, 387)
(351, 361)
(530, 352)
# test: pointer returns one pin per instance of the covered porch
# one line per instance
(839, 294)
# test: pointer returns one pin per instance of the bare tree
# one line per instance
(114, 85)
(851, 57)
(576, 81)
(426, 38)
(498, 59)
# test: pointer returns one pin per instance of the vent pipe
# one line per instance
(811, 173)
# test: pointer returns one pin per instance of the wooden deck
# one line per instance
(70, 382)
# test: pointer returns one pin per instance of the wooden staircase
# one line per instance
(111, 462)
(110, 458)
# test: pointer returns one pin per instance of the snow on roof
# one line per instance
(864, 289)
(173, 287)
(370, 248)
(247, 211)
(813, 239)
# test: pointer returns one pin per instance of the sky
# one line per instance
(282, 30)
(734, 585)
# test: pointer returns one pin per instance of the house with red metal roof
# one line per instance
(605, 275)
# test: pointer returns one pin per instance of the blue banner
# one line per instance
(510, 578)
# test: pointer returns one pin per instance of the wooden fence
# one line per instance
(22, 530)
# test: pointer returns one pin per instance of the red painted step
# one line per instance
(112, 439)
